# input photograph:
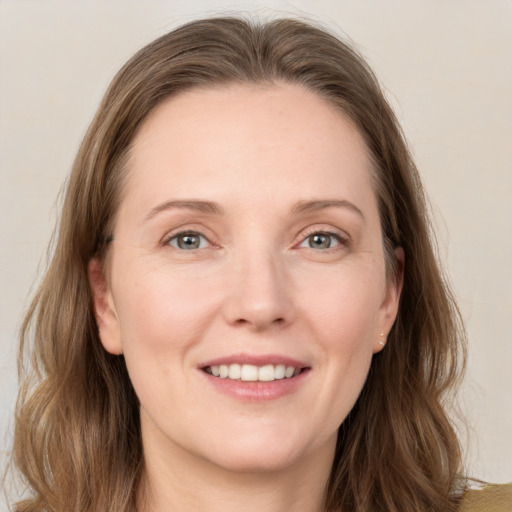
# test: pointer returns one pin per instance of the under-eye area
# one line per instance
(252, 373)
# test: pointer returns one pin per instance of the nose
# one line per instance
(260, 295)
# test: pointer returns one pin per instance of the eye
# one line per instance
(321, 240)
(188, 241)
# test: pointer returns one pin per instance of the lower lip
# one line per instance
(257, 391)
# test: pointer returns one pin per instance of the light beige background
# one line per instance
(447, 66)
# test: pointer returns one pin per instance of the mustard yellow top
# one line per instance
(492, 498)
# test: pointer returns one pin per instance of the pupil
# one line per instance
(188, 242)
(320, 241)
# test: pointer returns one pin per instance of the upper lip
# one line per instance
(256, 360)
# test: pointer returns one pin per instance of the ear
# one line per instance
(391, 301)
(104, 308)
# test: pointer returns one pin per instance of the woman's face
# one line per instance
(247, 285)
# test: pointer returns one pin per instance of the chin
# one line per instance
(258, 461)
(262, 452)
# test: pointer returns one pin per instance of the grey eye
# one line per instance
(321, 241)
(188, 241)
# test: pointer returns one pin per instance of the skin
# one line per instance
(257, 284)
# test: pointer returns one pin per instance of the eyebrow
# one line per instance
(212, 208)
(198, 206)
(320, 204)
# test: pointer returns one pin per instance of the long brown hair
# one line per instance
(77, 434)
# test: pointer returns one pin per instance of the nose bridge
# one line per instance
(259, 294)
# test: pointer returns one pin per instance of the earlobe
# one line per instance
(104, 309)
(391, 302)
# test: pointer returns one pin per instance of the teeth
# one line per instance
(251, 373)
(235, 371)
(279, 371)
(266, 373)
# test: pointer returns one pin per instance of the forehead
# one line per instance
(270, 138)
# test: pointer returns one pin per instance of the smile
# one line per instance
(256, 378)
(252, 373)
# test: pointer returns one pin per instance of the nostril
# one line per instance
(260, 324)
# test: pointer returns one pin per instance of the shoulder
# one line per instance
(491, 498)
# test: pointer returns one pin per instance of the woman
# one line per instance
(243, 309)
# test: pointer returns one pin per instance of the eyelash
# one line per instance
(341, 241)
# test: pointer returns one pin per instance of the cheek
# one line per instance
(343, 313)
(163, 313)
(161, 318)
(343, 305)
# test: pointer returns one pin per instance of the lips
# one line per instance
(255, 377)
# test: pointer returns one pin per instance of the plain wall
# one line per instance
(447, 67)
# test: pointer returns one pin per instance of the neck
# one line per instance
(178, 480)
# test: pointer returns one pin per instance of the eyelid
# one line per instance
(343, 237)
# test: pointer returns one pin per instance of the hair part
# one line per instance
(77, 434)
